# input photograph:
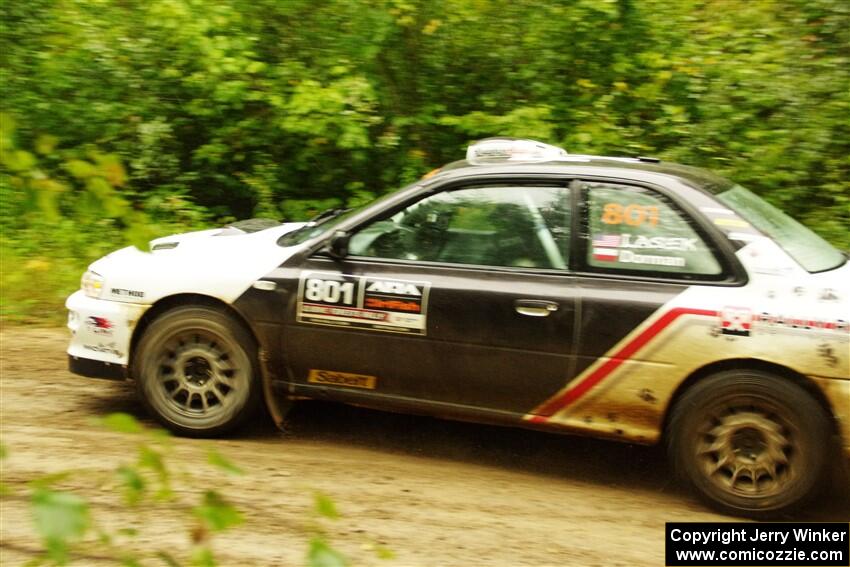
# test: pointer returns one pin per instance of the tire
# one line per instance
(750, 443)
(195, 370)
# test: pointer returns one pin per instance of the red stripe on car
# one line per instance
(560, 401)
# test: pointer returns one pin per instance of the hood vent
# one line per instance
(164, 246)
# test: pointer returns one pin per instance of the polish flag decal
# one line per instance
(605, 254)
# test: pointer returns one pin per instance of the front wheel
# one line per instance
(195, 371)
(750, 443)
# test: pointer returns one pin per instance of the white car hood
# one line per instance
(221, 263)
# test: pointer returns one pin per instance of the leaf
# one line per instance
(216, 513)
(18, 160)
(122, 423)
(203, 557)
(45, 144)
(7, 131)
(49, 480)
(384, 553)
(80, 169)
(99, 187)
(325, 506)
(218, 460)
(138, 232)
(134, 484)
(60, 518)
(112, 170)
(323, 555)
(168, 559)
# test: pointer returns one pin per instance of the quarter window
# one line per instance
(636, 230)
(523, 227)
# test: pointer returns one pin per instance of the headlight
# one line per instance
(92, 284)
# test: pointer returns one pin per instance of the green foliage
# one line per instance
(66, 524)
(218, 460)
(122, 423)
(325, 507)
(60, 519)
(323, 555)
(216, 513)
(125, 119)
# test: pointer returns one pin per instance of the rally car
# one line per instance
(615, 297)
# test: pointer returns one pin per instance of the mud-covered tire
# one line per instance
(750, 443)
(195, 370)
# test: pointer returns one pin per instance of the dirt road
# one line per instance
(433, 492)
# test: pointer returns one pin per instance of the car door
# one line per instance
(638, 251)
(461, 299)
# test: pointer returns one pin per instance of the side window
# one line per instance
(634, 229)
(488, 226)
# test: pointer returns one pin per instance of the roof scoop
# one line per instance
(512, 150)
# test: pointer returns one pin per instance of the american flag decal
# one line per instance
(607, 241)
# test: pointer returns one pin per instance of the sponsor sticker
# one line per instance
(717, 211)
(121, 292)
(828, 294)
(100, 325)
(333, 378)
(773, 320)
(733, 223)
(737, 321)
(110, 348)
(363, 302)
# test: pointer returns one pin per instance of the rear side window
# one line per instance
(632, 229)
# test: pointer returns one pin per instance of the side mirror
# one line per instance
(338, 245)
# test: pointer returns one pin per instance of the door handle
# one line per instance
(535, 307)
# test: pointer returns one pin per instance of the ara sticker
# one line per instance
(332, 378)
(362, 302)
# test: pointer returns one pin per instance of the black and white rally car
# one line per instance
(620, 298)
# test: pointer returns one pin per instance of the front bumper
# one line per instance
(101, 332)
(96, 368)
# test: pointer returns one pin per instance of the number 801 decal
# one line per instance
(341, 300)
(329, 291)
(632, 215)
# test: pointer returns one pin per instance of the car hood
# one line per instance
(220, 262)
(202, 237)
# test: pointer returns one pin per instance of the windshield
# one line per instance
(807, 248)
(326, 221)
(315, 228)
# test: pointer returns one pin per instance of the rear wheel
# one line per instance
(195, 370)
(750, 443)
